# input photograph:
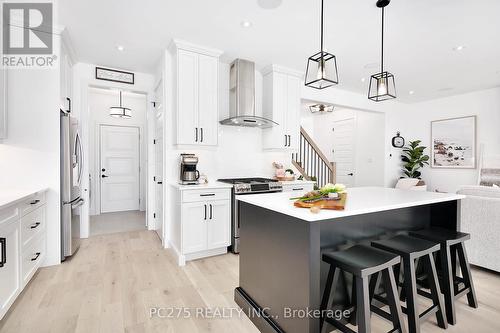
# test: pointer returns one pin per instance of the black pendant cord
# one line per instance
(382, 56)
(322, 29)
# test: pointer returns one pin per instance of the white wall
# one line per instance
(99, 102)
(415, 123)
(29, 157)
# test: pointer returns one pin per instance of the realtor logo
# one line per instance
(27, 28)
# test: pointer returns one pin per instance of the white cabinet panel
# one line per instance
(197, 93)
(218, 230)
(194, 227)
(208, 99)
(9, 267)
(282, 104)
(187, 98)
(299, 188)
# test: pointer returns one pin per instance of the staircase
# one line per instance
(311, 162)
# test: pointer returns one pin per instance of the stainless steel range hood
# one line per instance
(242, 97)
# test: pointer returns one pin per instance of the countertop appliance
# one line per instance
(188, 173)
(242, 97)
(246, 186)
(71, 179)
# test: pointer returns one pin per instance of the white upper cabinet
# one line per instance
(66, 78)
(196, 93)
(281, 103)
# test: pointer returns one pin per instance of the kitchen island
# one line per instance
(281, 273)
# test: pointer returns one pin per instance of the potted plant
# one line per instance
(414, 159)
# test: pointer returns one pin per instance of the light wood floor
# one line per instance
(114, 280)
(110, 223)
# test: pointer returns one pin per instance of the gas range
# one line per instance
(253, 185)
(246, 186)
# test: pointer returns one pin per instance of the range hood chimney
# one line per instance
(242, 97)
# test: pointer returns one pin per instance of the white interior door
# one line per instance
(159, 170)
(344, 150)
(119, 156)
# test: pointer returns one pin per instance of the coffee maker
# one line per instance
(189, 175)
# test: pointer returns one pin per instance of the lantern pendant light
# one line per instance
(382, 86)
(120, 111)
(321, 69)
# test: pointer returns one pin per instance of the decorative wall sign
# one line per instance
(454, 143)
(114, 75)
(398, 141)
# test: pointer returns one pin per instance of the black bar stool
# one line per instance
(362, 262)
(412, 249)
(454, 287)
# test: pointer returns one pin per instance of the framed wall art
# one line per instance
(453, 143)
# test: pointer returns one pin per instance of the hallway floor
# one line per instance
(110, 223)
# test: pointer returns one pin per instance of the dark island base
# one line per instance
(280, 257)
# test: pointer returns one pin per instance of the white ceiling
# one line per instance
(420, 37)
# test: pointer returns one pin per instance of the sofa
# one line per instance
(480, 217)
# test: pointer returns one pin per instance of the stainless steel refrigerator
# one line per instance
(71, 178)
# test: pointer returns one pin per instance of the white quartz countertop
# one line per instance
(12, 196)
(360, 200)
(209, 186)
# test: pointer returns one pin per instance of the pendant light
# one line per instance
(120, 111)
(321, 69)
(382, 86)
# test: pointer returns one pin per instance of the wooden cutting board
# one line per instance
(324, 204)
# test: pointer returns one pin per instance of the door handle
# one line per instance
(34, 226)
(286, 140)
(350, 174)
(34, 202)
(3, 246)
(104, 176)
(36, 256)
(69, 104)
(210, 211)
(201, 134)
(196, 134)
(159, 183)
(289, 140)
(205, 212)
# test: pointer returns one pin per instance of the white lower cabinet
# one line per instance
(202, 224)
(22, 246)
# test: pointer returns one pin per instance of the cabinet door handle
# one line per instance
(286, 140)
(298, 189)
(34, 202)
(201, 134)
(289, 140)
(196, 134)
(34, 226)
(210, 211)
(3, 247)
(36, 256)
(69, 104)
(205, 212)
(207, 195)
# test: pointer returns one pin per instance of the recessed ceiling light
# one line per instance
(363, 79)
(458, 48)
(120, 48)
(269, 4)
(411, 92)
(246, 24)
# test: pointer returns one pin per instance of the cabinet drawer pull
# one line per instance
(3, 247)
(34, 226)
(36, 256)
(207, 195)
(34, 202)
(299, 189)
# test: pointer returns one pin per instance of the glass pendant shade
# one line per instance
(321, 108)
(322, 71)
(120, 111)
(382, 87)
